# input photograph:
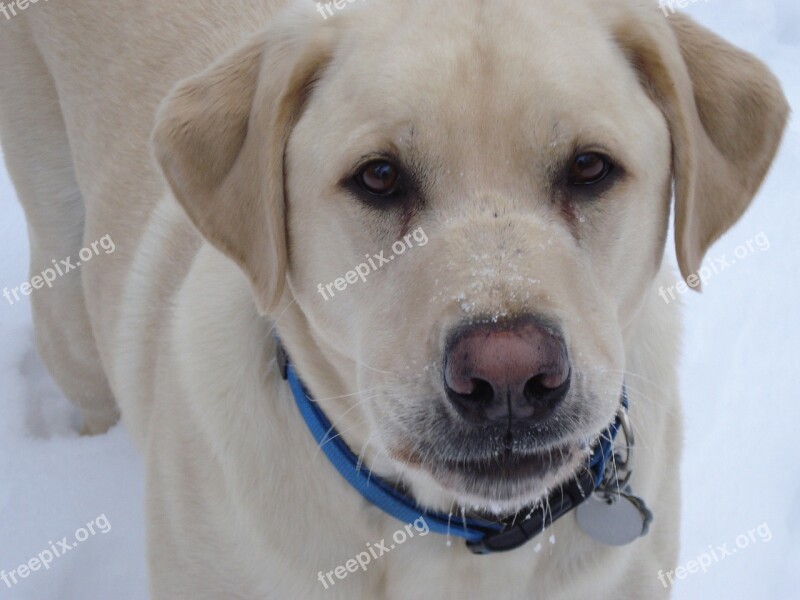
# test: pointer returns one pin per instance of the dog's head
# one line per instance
(468, 202)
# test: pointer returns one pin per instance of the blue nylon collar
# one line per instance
(482, 536)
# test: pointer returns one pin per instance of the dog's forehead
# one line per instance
(477, 43)
(487, 71)
(459, 56)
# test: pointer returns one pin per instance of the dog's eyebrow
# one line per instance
(414, 162)
(407, 138)
(421, 166)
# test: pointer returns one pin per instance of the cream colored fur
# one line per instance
(226, 213)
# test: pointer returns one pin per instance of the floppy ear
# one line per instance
(220, 139)
(726, 114)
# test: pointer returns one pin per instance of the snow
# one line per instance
(741, 473)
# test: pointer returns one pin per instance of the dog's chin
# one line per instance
(496, 487)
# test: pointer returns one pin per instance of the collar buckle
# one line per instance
(558, 503)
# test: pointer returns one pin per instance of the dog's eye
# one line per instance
(380, 177)
(589, 168)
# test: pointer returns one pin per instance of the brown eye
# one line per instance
(379, 177)
(589, 168)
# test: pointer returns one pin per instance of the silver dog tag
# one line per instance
(614, 519)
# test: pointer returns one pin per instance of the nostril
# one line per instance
(546, 390)
(474, 391)
(482, 392)
(535, 387)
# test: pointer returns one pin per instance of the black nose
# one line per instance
(508, 373)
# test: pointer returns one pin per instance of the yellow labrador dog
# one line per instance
(258, 164)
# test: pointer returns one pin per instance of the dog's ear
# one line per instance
(726, 115)
(220, 139)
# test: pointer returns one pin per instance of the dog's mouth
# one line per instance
(510, 466)
(496, 467)
(512, 477)
(504, 479)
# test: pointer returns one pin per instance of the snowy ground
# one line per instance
(739, 375)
